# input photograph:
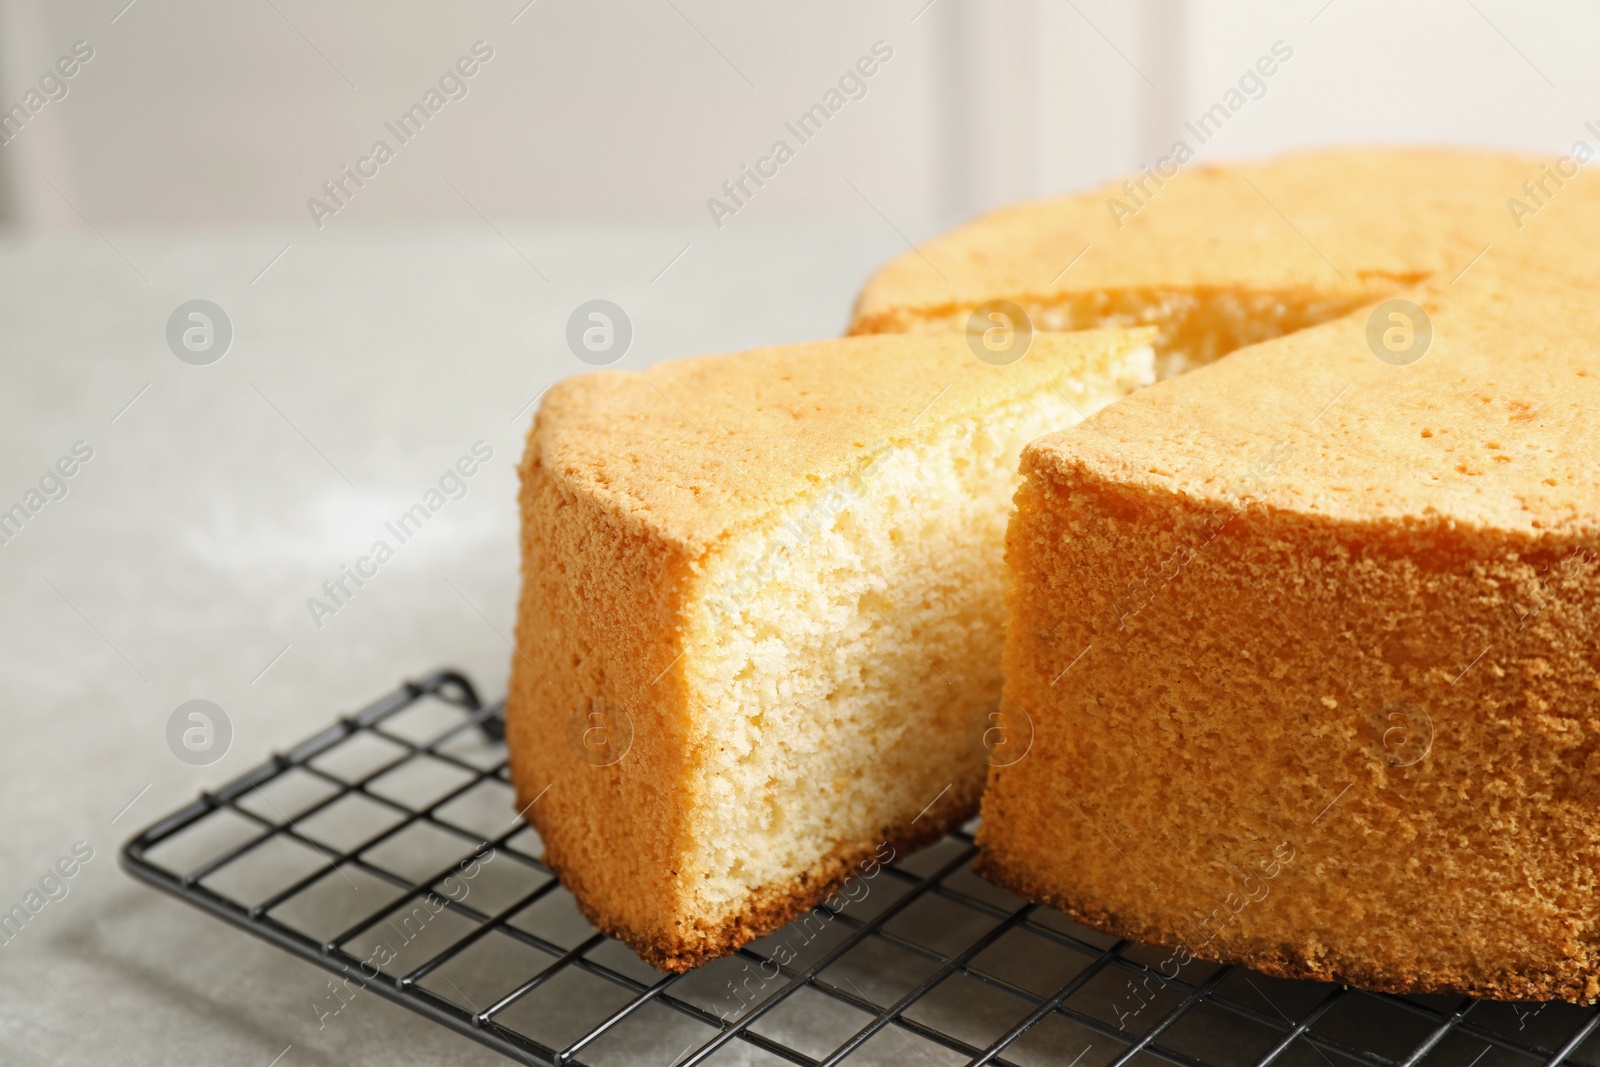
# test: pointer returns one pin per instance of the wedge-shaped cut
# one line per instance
(1217, 256)
(761, 618)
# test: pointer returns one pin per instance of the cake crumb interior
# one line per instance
(870, 611)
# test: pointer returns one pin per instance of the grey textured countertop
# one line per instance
(217, 500)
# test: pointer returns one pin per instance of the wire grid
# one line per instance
(400, 813)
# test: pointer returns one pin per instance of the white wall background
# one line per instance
(629, 111)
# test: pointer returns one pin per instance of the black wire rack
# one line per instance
(387, 850)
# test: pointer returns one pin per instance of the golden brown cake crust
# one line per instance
(693, 450)
(590, 583)
(1309, 599)
(1292, 960)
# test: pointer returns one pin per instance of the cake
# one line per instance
(759, 635)
(1308, 639)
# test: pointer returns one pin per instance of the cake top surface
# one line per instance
(1336, 222)
(694, 450)
(1495, 427)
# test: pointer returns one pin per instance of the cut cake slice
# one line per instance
(760, 626)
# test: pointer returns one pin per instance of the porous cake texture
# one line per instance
(761, 617)
(1308, 639)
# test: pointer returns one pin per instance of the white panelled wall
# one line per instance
(636, 111)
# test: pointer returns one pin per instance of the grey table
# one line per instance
(176, 562)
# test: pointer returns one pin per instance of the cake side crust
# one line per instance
(1293, 961)
(1436, 808)
(594, 708)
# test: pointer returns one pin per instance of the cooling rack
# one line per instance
(386, 849)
